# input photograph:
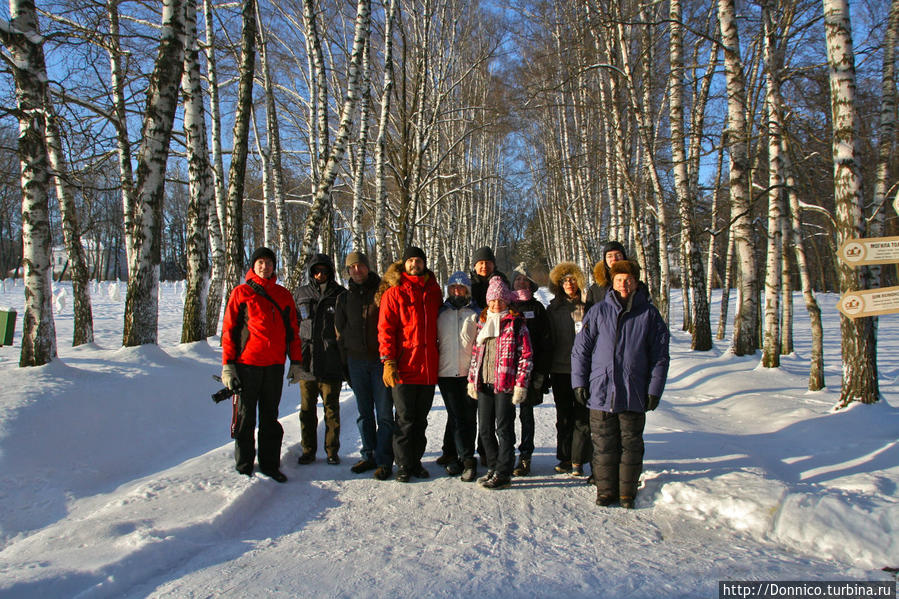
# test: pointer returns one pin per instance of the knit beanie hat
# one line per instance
(263, 252)
(459, 278)
(521, 270)
(484, 253)
(414, 252)
(612, 246)
(356, 258)
(625, 267)
(497, 289)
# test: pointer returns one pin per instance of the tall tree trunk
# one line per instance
(141, 302)
(193, 326)
(383, 258)
(319, 209)
(24, 43)
(693, 277)
(83, 329)
(218, 215)
(771, 345)
(746, 321)
(237, 174)
(857, 336)
(123, 143)
(358, 200)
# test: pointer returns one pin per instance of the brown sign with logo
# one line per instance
(870, 250)
(869, 302)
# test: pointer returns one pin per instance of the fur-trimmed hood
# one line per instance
(393, 277)
(601, 273)
(562, 270)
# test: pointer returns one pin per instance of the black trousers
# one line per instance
(412, 402)
(462, 417)
(618, 455)
(260, 389)
(572, 423)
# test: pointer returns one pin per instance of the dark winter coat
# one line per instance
(541, 343)
(321, 355)
(407, 324)
(253, 332)
(479, 286)
(564, 316)
(621, 354)
(356, 319)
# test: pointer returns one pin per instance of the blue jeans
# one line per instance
(375, 405)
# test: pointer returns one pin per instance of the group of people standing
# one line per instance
(490, 345)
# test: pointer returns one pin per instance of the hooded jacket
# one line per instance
(315, 306)
(356, 319)
(253, 332)
(407, 324)
(457, 327)
(621, 354)
(564, 315)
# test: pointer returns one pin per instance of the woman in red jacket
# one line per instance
(259, 330)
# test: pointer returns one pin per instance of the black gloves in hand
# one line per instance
(652, 402)
(537, 381)
(581, 395)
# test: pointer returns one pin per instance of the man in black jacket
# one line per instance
(322, 371)
(356, 319)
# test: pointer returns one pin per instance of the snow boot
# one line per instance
(471, 471)
(446, 459)
(605, 500)
(306, 458)
(383, 472)
(486, 477)
(420, 471)
(275, 475)
(454, 468)
(497, 482)
(563, 467)
(402, 475)
(523, 468)
(363, 466)
(626, 502)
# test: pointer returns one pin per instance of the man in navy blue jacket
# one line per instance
(619, 364)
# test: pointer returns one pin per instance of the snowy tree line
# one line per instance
(719, 140)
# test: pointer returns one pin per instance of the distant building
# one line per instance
(103, 263)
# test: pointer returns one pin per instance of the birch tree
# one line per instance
(746, 325)
(141, 302)
(233, 229)
(319, 209)
(858, 341)
(693, 274)
(26, 60)
(201, 186)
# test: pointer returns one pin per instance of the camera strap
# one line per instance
(284, 312)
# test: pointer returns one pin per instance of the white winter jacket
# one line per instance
(457, 329)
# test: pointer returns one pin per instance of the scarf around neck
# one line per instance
(491, 326)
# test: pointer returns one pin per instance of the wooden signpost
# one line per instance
(870, 302)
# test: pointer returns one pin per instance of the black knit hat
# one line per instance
(612, 246)
(263, 252)
(414, 252)
(484, 253)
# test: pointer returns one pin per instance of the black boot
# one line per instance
(523, 468)
(470, 473)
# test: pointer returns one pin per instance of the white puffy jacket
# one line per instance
(457, 329)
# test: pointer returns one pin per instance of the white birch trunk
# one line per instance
(141, 302)
(25, 45)
(217, 215)
(857, 336)
(201, 183)
(746, 325)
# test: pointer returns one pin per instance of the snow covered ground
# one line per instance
(117, 480)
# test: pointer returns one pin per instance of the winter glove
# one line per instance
(472, 391)
(293, 373)
(390, 377)
(581, 395)
(537, 380)
(519, 395)
(229, 377)
(652, 402)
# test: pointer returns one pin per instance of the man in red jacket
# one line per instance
(407, 342)
(259, 330)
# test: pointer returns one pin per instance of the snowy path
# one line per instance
(116, 480)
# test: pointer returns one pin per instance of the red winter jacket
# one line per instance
(407, 324)
(253, 332)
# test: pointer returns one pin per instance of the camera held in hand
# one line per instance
(223, 393)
